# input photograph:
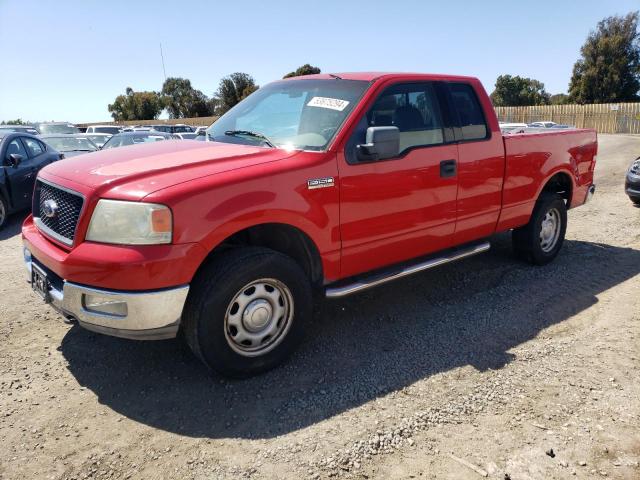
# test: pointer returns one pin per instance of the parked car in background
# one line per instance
(133, 138)
(70, 145)
(187, 135)
(98, 138)
(110, 129)
(179, 128)
(512, 127)
(30, 129)
(136, 128)
(632, 182)
(23, 155)
(46, 128)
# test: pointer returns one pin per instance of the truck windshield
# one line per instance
(294, 114)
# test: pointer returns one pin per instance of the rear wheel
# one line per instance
(540, 240)
(247, 311)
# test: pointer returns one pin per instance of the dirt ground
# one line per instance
(521, 372)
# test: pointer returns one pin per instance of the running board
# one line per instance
(389, 275)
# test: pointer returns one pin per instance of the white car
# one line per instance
(543, 124)
(98, 138)
(512, 127)
(109, 129)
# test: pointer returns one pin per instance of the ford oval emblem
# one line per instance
(50, 208)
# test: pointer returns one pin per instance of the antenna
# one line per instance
(162, 57)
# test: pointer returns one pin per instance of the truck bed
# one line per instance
(532, 158)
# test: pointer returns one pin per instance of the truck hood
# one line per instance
(138, 170)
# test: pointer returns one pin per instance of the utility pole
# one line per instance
(162, 58)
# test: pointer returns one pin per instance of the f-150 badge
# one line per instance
(320, 183)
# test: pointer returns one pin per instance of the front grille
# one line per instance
(60, 225)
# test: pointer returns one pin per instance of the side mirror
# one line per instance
(202, 133)
(14, 159)
(382, 142)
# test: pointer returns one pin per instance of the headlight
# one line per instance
(130, 223)
(634, 169)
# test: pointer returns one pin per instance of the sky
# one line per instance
(67, 60)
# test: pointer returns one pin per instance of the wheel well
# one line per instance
(561, 184)
(282, 238)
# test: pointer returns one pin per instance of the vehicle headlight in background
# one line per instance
(130, 223)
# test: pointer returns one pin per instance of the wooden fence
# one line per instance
(605, 117)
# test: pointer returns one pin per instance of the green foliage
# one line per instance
(17, 121)
(184, 101)
(232, 89)
(559, 99)
(514, 91)
(609, 68)
(136, 106)
(305, 69)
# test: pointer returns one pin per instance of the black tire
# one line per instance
(212, 297)
(527, 241)
(4, 212)
(635, 200)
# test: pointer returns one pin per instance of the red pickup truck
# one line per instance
(324, 184)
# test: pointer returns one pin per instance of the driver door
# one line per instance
(399, 208)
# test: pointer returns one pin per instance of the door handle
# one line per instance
(448, 168)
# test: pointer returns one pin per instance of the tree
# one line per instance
(184, 101)
(559, 99)
(17, 121)
(136, 106)
(512, 91)
(232, 89)
(305, 69)
(609, 68)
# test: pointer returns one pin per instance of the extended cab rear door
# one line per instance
(399, 208)
(481, 161)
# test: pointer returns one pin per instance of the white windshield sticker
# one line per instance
(325, 102)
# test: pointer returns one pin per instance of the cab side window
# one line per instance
(15, 146)
(413, 108)
(470, 113)
(34, 147)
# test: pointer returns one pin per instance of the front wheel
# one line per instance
(540, 240)
(247, 311)
(4, 212)
(635, 200)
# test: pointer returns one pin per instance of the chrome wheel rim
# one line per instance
(550, 230)
(258, 317)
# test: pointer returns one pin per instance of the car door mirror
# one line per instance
(14, 159)
(381, 143)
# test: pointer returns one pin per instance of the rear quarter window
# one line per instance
(470, 114)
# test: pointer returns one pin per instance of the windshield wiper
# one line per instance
(249, 133)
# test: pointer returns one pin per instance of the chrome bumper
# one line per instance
(152, 315)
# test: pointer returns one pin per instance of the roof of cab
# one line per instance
(373, 76)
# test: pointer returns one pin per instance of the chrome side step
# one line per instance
(384, 277)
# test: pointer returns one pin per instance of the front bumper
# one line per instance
(142, 315)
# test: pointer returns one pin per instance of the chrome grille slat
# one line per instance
(62, 226)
